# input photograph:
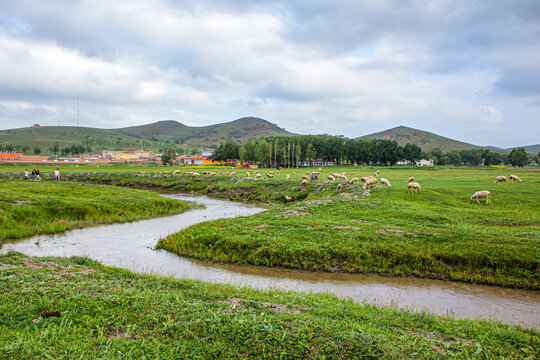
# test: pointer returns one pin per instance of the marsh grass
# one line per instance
(437, 233)
(29, 208)
(110, 313)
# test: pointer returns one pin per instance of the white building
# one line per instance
(424, 162)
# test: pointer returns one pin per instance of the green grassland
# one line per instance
(30, 208)
(77, 309)
(437, 233)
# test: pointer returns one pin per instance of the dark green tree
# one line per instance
(37, 150)
(487, 156)
(412, 152)
(168, 157)
(518, 157)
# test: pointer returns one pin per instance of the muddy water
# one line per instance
(132, 246)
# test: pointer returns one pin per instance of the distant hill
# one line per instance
(531, 149)
(238, 130)
(424, 139)
(153, 136)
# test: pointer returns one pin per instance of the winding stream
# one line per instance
(132, 246)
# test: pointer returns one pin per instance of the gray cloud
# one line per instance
(346, 67)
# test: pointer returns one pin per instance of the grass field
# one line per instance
(77, 309)
(437, 233)
(30, 208)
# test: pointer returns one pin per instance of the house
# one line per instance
(424, 162)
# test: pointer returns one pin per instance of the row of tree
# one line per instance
(292, 151)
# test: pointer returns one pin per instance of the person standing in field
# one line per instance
(37, 175)
(26, 174)
(57, 174)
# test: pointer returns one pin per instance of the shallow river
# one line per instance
(132, 246)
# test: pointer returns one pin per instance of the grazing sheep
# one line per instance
(287, 177)
(247, 174)
(364, 178)
(339, 187)
(376, 173)
(481, 194)
(385, 182)
(288, 198)
(500, 179)
(515, 178)
(258, 175)
(305, 177)
(370, 182)
(331, 178)
(304, 183)
(354, 180)
(195, 174)
(411, 179)
(413, 186)
(233, 173)
(293, 173)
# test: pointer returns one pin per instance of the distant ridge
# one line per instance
(153, 136)
(530, 149)
(424, 139)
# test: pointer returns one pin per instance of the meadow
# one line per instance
(77, 309)
(29, 208)
(437, 233)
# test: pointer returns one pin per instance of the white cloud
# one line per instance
(347, 68)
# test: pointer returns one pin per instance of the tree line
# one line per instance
(292, 151)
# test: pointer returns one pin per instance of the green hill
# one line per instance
(153, 136)
(424, 139)
(238, 130)
(531, 149)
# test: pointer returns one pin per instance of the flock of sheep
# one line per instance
(368, 181)
(484, 194)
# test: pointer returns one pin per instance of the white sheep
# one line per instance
(233, 173)
(385, 182)
(353, 180)
(305, 177)
(339, 187)
(411, 179)
(370, 182)
(304, 183)
(287, 177)
(288, 198)
(515, 178)
(376, 173)
(247, 174)
(500, 179)
(195, 174)
(331, 177)
(481, 194)
(413, 186)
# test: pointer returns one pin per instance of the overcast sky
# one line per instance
(468, 70)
